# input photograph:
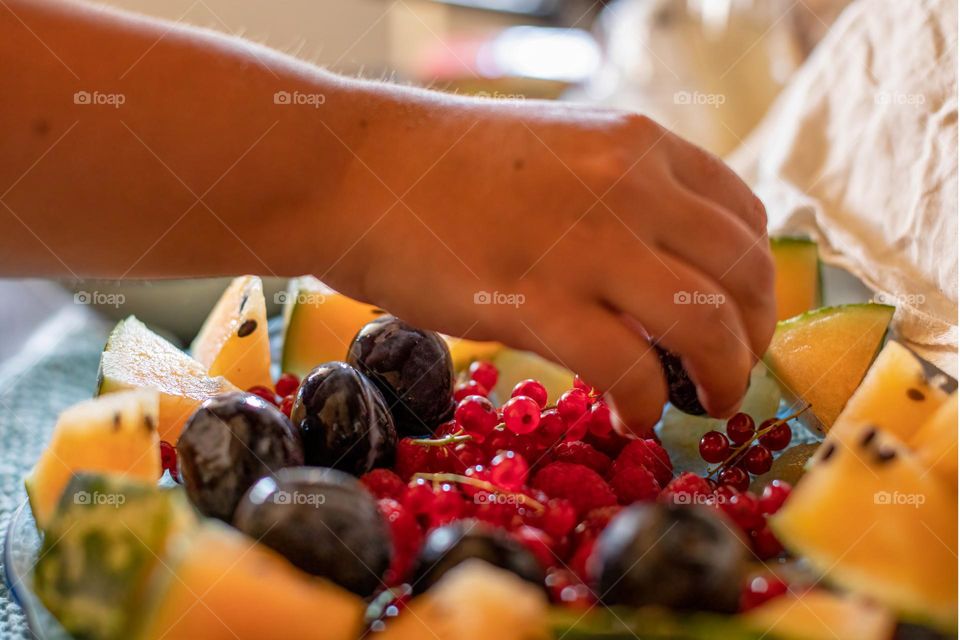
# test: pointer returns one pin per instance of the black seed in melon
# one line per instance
(324, 522)
(343, 420)
(411, 367)
(449, 545)
(229, 443)
(675, 556)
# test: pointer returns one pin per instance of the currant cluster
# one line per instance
(282, 395)
(744, 449)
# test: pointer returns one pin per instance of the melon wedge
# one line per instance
(797, 283)
(115, 434)
(464, 352)
(869, 516)
(897, 395)
(137, 358)
(319, 325)
(515, 366)
(224, 586)
(234, 341)
(821, 615)
(821, 356)
(935, 442)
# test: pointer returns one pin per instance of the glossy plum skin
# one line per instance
(229, 443)
(411, 367)
(324, 522)
(675, 556)
(449, 545)
(681, 389)
(343, 420)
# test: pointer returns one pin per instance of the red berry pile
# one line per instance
(283, 393)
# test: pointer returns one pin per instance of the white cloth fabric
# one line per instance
(860, 151)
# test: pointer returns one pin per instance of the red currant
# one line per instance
(287, 383)
(590, 390)
(447, 506)
(778, 437)
(168, 460)
(469, 388)
(740, 428)
(714, 447)
(521, 414)
(499, 440)
(552, 427)
(601, 422)
(744, 510)
(761, 589)
(532, 389)
(558, 518)
(577, 429)
(477, 416)
(286, 405)
(484, 374)
(765, 544)
(469, 454)
(266, 394)
(509, 470)
(573, 403)
(773, 496)
(758, 459)
(735, 477)
(538, 543)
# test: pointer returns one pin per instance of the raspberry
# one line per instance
(579, 561)
(610, 444)
(557, 519)
(582, 453)
(406, 536)
(411, 458)
(383, 483)
(634, 484)
(538, 543)
(649, 454)
(687, 488)
(765, 543)
(595, 522)
(581, 485)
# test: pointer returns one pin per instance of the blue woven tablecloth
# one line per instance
(56, 368)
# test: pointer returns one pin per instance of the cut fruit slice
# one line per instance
(224, 586)
(106, 538)
(798, 283)
(935, 442)
(869, 516)
(500, 605)
(319, 325)
(897, 395)
(464, 352)
(821, 356)
(821, 615)
(137, 358)
(115, 433)
(515, 366)
(234, 341)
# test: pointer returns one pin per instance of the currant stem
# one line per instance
(489, 487)
(454, 438)
(756, 436)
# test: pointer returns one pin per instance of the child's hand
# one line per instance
(572, 233)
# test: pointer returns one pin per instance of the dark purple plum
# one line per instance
(411, 367)
(229, 443)
(324, 522)
(681, 389)
(343, 420)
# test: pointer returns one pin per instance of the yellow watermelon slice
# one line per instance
(820, 615)
(797, 281)
(223, 586)
(234, 341)
(869, 516)
(897, 395)
(137, 358)
(464, 352)
(319, 324)
(821, 356)
(515, 366)
(115, 433)
(935, 442)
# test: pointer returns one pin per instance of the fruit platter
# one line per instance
(349, 475)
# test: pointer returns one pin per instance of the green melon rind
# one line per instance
(807, 418)
(802, 245)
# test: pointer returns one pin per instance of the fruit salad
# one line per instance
(389, 482)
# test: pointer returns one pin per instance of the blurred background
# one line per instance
(708, 69)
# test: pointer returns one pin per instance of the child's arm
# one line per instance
(182, 159)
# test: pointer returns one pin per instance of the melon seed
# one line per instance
(247, 328)
(915, 394)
